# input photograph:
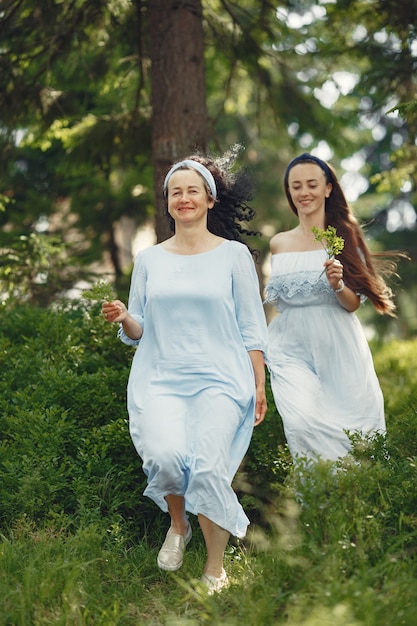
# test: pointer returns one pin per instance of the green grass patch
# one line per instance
(78, 541)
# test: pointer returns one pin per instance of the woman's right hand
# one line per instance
(114, 311)
(334, 272)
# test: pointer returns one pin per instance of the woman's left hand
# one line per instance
(261, 405)
(114, 311)
(334, 272)
(258, 364)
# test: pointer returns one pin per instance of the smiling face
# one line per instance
(187, 196)
(308, 188)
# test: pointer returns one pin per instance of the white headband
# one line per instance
(195, 165)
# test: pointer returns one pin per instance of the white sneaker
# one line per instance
(171, 555)
(213, 584)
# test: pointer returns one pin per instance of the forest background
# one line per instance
(97, 99)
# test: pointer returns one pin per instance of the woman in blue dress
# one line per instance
(197, 382)
(322, 373)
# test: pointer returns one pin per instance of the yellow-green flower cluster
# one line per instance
(334, 244)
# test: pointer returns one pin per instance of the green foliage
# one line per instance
(345, 554)
(33, 268)
(266, 465)
(66, 445)
(101, 290)
(61, 575)
(65, 440)
(75, 103)
(4, 201)
(403, 170)
(71, 88)
(79, 542)
(394, 363)
(62, 401)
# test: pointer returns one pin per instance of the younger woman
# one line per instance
(322, 373)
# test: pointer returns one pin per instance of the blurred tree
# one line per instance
(98, 97)
(77, 98)
(179, 114)
(75, 82)
(379, 37)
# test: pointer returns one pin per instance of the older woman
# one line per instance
(197, 382)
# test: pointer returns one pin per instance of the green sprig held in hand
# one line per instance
(334, 244)
(99, 291)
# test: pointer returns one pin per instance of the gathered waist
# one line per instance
(308, 305)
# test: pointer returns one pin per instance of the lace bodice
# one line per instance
(297, 279)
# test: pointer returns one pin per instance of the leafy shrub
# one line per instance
(65, 440)
(395, 365)
(66, 445)
(326, 546)
(266, 465)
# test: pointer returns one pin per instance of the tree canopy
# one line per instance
(97, 97)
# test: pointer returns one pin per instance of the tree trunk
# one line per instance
(179, 114)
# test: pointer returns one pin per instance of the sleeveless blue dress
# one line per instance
(191, 389)
(322, 373)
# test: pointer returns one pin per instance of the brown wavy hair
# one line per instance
(235, 190)
(365, 271)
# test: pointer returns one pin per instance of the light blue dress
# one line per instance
(191, 390)
(322, 373)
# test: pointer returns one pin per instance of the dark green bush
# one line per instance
(321, 539)
(65, 441)
(395, 363)
(65, 444)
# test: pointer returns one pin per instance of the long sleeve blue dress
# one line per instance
(191, 389)
(322, 373)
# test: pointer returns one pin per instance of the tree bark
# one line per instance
(179, 113)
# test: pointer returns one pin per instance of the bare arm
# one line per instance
(258, 364)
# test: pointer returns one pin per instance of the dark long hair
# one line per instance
(365, 272)
(231, 210)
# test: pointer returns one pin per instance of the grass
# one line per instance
(78, 542)
(345, 556)
(92, 577)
